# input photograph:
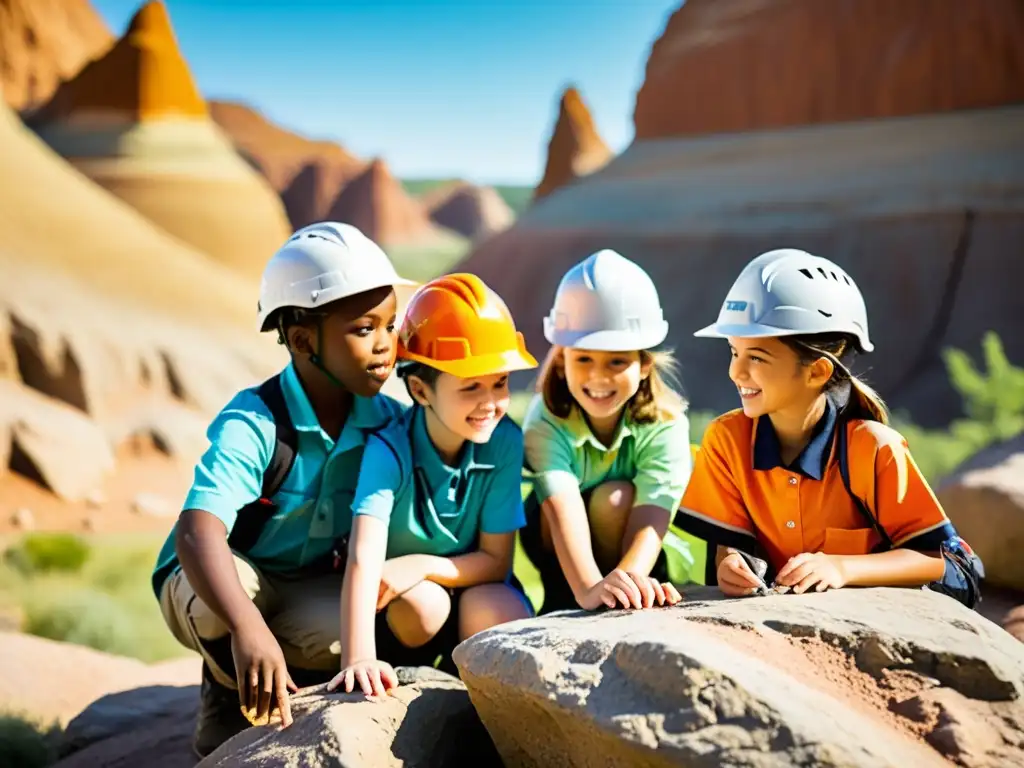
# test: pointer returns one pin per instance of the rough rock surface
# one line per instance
(882, 677)
(926, 213)
(984, 498)
(428, 722)
(472, 211)
(52, 443)
(800, 62)
(149, 726)
(134, 122)
(43, 42)
(576, 149)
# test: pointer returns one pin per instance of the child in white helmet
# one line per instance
(248, 576)
(806, 475)
(607, 440)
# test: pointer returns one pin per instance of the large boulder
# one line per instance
(926, 213)
(881, 677)
(427, 722)
(984, 497)
(724, 67)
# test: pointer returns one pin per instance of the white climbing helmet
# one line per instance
(606, 302)
(320, 263)
(789, 292)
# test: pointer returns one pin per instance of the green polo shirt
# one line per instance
(565, 456)
(229, 474)
(430, 507)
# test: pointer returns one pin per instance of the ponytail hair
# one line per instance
(657, 398)
(857, 400)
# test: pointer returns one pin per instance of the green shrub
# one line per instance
(84, 617)
(26, 744)
(46, 552)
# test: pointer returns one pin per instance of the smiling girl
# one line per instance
(438, 502)
(608, 442)
(769, 479)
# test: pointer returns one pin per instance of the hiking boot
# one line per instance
(220, 716)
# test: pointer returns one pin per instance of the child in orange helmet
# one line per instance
(438, 503)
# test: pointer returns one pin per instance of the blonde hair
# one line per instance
(655, 399)
(863, 401)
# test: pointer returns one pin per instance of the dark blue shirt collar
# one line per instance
(812, 460)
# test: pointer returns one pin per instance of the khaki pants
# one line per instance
(303, 614)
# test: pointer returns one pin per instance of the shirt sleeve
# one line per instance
(379, 479)
(663, 466)
(906, 505)
(712, 506)
(503, 509)
(229, 474)
(550, 455)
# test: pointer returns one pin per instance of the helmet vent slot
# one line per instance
(807, 273)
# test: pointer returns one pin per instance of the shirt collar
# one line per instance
(425, 455)
(368, 413)
(812, 459)
(582, 434)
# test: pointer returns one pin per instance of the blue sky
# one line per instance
(462, 88)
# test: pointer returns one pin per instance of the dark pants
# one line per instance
(558, 594)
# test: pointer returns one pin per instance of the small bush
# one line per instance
(84, 617)
(46, 552)
(25, 744)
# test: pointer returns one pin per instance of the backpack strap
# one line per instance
(843, 453)
(254, 516)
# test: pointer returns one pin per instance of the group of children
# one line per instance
(332, 532)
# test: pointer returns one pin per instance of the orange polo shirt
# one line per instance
(740, 493)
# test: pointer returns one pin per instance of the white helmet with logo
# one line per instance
(789, 292)
(320, 263)
(606, 302)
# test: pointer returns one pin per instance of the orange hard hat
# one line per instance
(458, 325)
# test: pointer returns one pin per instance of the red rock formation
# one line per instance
(281, 154)
(576, 149)
(376, 203)
(143, 76)
(472, 211)
(753, 64)
(43, 42)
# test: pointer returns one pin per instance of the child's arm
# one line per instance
(663, 467)
(359, 664)
(491, 562)
(229, 476)
(379, 478)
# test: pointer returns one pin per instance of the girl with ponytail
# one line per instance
(808, 475)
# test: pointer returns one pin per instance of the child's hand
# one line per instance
(400, 574)
(629, 590)
(262, 674)
(375, 677)
(735, 578)
(812, 569)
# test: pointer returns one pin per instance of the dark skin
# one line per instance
(357, 348)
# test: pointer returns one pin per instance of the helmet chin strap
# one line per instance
(317, 357)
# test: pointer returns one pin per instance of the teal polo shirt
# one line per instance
(432, 508)
(229, 474)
